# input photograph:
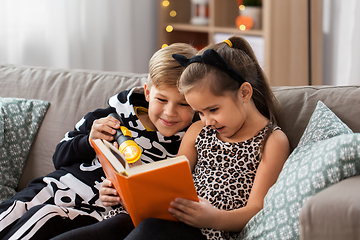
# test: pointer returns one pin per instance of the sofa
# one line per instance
(333, 213)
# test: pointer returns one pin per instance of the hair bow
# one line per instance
(213, 58)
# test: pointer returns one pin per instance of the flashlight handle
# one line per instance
(115, 115)
(119, 135)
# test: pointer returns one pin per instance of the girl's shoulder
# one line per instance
(193, 131)
(195, 128)
(278, 134)
(277, 141)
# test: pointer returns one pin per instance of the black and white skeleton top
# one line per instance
(75, 156)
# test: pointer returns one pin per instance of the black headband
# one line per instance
(213, 58)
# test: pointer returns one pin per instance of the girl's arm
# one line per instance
(276, 151)
(187, 146)
(203, 215)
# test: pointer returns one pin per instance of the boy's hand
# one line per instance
(197, 214)
(104, 128)
(108, 194)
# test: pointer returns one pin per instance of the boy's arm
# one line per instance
(108, 194)
(75, 146)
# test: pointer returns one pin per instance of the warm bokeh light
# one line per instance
(165, 3)
(164, 45)
(242, 7)
(242, 27)
(173, 13)
(244, 22)
(169, 28)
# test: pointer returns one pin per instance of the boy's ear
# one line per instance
(245, 91)
(146, 92)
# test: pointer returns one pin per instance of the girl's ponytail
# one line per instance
(263, 96)
(243, 45)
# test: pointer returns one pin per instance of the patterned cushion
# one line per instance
(19, 122)
(327, 152)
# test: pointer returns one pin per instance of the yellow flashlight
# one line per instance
(127, 146)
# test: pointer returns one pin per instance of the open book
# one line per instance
(146, 190)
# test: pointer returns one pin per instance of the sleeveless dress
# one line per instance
(225, 172)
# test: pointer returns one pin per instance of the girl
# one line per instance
(236, 151)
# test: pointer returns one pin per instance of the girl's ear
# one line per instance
(245, 91)
(147, 92)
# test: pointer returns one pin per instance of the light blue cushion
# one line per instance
(327, 152)
(20, 120)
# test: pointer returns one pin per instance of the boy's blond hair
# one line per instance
(164, 70)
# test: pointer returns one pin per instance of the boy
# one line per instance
(68, 198)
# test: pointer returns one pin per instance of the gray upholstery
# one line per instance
(73, 93)
(298, 104)
(333, 213)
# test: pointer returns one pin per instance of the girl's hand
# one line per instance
(104, 128)
(197, 214)
(108, 194)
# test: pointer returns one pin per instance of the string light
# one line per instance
(242, 27)
(165, 3)
(173, 13)
(169, 28)
(242, 7)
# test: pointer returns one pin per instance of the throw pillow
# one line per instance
(20, 120)
(327, 152)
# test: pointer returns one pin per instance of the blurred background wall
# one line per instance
(114, 35)
(121, 35)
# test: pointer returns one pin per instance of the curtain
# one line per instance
(341, 36)
(113, 35)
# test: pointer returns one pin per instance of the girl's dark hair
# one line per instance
(240, 57)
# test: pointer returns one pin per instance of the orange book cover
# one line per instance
(148, 189)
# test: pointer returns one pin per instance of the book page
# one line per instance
(155, 165)
(113, 155)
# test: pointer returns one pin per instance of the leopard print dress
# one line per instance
(224, 172)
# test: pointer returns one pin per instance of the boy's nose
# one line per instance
(170, 110)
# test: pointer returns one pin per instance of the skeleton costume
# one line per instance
(68, 198)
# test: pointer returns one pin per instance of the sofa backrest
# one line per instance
(71, 93)
(298, 104)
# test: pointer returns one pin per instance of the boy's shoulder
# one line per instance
(136, 92)
(134, 96)
(137, 97)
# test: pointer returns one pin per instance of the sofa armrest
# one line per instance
(333, 213)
